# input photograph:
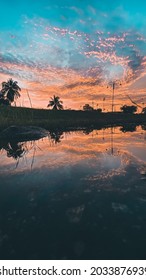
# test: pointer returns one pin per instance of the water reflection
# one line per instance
(56, 136)
(77, 195)
(128, 128)
(87, 130)
(17, 149)
(13, 149)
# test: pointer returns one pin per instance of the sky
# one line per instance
(75, 50)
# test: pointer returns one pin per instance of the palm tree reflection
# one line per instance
(18, 150)
(13, 149)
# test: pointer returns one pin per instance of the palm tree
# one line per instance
(56, 103)
(10, 90)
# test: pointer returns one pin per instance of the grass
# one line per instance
(67, 119)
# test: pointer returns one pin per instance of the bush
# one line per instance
(129, 109)
(87, 107)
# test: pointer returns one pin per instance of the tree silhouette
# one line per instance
(99, 110)
(55, 103)
(129, 109)
(10, 90)
(87, 107)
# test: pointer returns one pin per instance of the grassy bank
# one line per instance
(64, 119)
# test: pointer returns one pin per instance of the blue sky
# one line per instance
(74, 48)
(121, 14)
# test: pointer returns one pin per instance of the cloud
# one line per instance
(70, 62)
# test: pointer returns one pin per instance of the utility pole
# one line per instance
(113, 96)
(113, 84)
(103, 103)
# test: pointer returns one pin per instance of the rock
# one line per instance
(23, 133)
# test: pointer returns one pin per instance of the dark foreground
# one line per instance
(66, 120)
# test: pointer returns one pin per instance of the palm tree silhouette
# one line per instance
(10, 90)
(56, 103)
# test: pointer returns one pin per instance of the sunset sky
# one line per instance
(74, 49)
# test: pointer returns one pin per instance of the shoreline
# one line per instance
(66, 119)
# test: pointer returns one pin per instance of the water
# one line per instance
(75, 195)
